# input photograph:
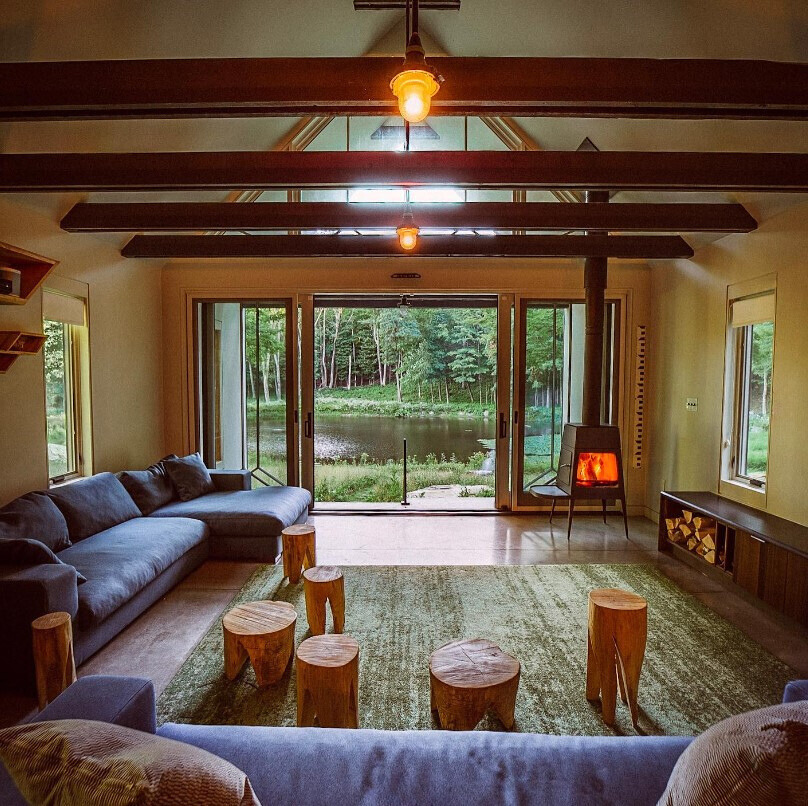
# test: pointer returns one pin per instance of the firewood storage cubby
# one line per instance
(760, 554)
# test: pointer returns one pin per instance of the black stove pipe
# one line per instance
(595, 276)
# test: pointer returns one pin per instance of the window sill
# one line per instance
(52, 485)
(743, 493)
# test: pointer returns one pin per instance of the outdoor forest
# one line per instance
(385, 374)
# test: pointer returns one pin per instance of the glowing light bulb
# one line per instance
(414, 90)
(407, 236)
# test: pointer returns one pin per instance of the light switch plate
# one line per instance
(692, 404)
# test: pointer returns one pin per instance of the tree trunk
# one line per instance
(337, 318)
(377, 342)
(265, 377)
(252, 379)
(277, 376)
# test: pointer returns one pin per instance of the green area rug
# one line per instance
(698, 668)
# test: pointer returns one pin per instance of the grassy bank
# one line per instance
(375, 482)
(363, 401)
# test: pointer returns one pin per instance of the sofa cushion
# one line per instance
(189, 476)
(29, 552)
(35, 516)
(94, 504)
(72, 761)
(754, 758)
(245, 513)
(121, 561)
(150, 488)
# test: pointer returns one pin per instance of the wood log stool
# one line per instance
(320, 584)
(470, 677)
(53, 655)
(299, 550)
(618, 625)
(328, 682)
(264, 632)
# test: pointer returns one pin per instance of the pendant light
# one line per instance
(407, 232)
(416, 82)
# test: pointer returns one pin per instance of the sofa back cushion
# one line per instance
(24, 552)
(34, 516)
(94, 504)
(80, 761)
(150, 488)
(189, 476)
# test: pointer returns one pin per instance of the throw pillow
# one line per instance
(35, 516)
(150, 488)
(21, 551)
(189, 476)
(94, 504)
(77, 761)
(750, 759)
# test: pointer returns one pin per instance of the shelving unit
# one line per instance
(33, 268)
(762, 555)
(14, 343)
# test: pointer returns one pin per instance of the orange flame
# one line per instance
(596, 468)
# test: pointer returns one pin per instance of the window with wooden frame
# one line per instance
(66, 385)
(750, 359)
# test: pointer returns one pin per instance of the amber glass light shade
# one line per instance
(414, 90)
(407, 236)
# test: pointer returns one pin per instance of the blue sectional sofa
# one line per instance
(108, 562)
(323, 766)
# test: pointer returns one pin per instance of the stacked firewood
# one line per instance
(695, 532)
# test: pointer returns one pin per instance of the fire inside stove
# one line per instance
(597, 469)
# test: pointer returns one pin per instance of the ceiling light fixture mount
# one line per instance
(417, 82)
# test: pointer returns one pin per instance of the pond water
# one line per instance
(381, 438)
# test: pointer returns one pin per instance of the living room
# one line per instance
(455, 375)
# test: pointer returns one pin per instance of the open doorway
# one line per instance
(414, 368)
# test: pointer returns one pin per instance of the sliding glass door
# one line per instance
(246, 388)
(548, 385)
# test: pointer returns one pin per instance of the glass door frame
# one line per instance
(520, 499)
(504, 308)
(288, 301)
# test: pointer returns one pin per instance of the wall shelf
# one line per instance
(33, 268)
(14, 343)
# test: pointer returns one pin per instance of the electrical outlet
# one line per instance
(692, 404)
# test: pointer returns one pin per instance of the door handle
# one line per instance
(503, 425)
(307, 426)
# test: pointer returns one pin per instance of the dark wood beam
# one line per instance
(571, 87)
(551, 170)
(268, 246)
(194, 216)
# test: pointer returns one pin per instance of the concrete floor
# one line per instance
(156, 645)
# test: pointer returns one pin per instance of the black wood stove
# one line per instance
(591, 464)
(590, 468)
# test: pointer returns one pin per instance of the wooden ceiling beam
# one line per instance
(521, 87)
(367, 246)
(552, 216)
(550, 170)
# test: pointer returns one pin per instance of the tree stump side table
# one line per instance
(264, 633)
(53, 655)
(324, 583)
(468, 678)
(618, 625)
(299, 550)
(328, 682)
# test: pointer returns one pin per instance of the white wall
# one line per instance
(687, 360)
(126, 348)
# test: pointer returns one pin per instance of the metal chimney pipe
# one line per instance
(595, 277)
